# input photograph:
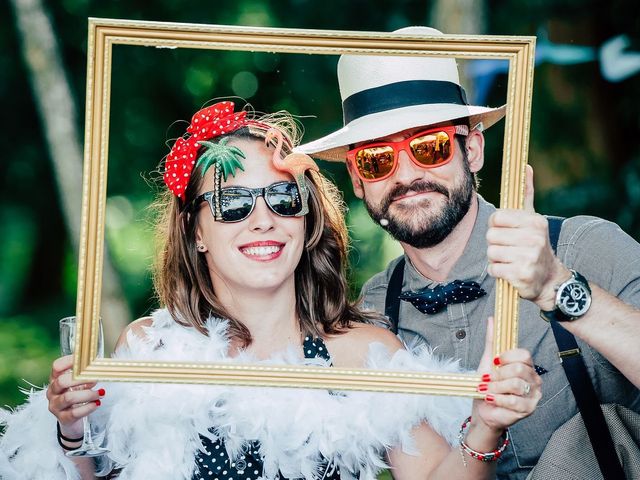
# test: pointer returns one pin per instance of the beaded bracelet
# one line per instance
(61, 437)
(483, 457)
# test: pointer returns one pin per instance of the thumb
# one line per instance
(528, 190)
(486, 361)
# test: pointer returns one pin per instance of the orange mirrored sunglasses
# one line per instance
(427, 149)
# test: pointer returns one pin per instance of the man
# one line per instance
(413, 148)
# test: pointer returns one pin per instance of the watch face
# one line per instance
(574, 299)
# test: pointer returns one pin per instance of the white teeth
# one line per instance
(261, 251)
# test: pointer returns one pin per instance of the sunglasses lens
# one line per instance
(235, 204)
(374, 162)
(284, 199)
(431, 149)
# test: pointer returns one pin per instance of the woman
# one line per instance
(251, 270)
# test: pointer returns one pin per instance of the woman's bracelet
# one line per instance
(61, 437)
(483, 457)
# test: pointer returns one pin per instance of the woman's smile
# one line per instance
(262, 251)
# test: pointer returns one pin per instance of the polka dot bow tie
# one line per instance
(434, 300)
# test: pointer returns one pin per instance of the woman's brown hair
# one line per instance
(182, 279)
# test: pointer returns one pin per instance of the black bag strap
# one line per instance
(394, 289)
(582, 387)
(588, 403)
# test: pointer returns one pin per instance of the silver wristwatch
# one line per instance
(573, 299)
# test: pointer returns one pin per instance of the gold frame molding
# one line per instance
(104, 33)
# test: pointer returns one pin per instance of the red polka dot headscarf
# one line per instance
(210, 122)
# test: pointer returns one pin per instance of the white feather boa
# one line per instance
(153, 429)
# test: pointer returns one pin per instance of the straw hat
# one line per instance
(383, 95)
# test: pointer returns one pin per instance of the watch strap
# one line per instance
(555, 315)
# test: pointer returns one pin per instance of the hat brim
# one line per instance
(334, 146)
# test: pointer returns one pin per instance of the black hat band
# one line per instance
(401, 94)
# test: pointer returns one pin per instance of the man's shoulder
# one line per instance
(580, 224)
(589, 233)
(603, 253)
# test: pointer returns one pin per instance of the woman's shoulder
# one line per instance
(137, 328)
(366, 333)
(351, 347)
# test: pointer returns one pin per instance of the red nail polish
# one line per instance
(101, 392)
(490, 398)
(496, 360)
(482, 387)
(486, 377)
(98, 403)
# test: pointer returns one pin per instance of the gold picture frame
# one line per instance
(104, 33)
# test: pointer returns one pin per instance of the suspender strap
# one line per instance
(582, 388)
(555, 225)
(394, 289)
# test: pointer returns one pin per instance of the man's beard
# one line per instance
(431, 229)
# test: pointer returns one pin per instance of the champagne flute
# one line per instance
(67, 346)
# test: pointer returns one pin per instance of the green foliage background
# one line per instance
(584, 137)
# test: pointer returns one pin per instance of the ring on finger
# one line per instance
(526, 389)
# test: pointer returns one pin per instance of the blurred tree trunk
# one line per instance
(52, 95)
(460, 17)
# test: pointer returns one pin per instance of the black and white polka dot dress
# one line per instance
(214, 464)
